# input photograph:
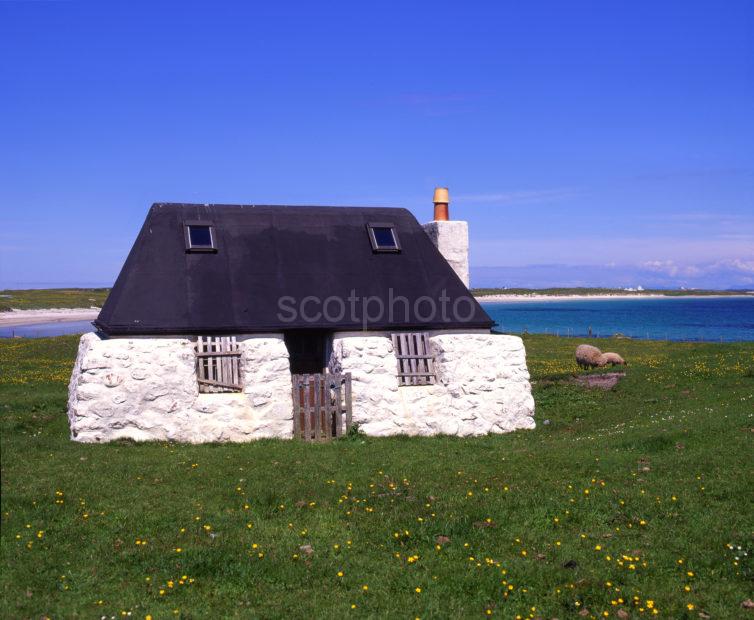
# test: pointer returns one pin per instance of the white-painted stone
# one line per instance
(146, 389)
(452, 239)
(483, 385)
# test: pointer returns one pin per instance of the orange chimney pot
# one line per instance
(441, 200)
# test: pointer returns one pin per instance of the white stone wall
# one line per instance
(376, 404)
(146, 389)
(483, 385)
(452, 239)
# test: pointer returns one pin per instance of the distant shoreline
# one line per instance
(18, 318)
(606, 296)
(24, 317)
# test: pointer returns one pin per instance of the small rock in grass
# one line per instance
(605, 381)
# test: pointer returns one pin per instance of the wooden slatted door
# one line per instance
(416, 364)
(321, 406)
(218, 364)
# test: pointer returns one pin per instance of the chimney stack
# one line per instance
(451, 237)
(441, 200)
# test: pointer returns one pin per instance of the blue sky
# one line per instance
(593, 142)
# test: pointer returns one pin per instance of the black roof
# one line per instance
(265, 253)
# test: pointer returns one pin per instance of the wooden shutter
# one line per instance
(416, 364)
(218, 364)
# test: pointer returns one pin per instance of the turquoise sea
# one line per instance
(659, 318)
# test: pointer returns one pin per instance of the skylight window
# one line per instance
(383, 238)
(200, 238)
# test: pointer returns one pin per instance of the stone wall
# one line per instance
(483, 385)
(376, 404)
(146, 389)
(452, 239)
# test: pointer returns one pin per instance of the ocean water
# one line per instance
(718, 319)
(663, 318)
(43, 330)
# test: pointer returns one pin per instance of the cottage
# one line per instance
(236, 322)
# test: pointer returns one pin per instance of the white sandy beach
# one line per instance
(14, 318)
(537, 297)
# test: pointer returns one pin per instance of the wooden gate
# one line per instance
(321, 406)
(218, 364)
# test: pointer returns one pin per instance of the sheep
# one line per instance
(588, 356)
(613, 359)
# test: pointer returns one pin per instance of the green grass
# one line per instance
(658, 470)
(599, 291)
(38, 299)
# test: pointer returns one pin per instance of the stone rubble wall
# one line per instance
(482, 387)
(376, 403)
(146, 389)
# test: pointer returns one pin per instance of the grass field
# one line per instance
(38, 299)
(625, 503)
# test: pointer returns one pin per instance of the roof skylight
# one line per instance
(200, 238)
(383, 238)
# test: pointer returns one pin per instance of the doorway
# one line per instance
(309, 351)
